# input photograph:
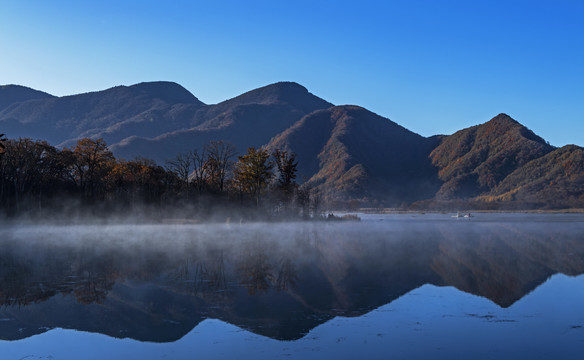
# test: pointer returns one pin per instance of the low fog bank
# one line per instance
(212, 211)
(232, 227)
(329, 268)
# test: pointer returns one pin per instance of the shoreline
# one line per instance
(390, 211)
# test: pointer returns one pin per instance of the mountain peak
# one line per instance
(503, 117)
(287, 85)
(503, 123)
(10, 94)
(284, 92)
(166, 90)
(503, 120)
(476, 159)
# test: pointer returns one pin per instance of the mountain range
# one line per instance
(346, 152)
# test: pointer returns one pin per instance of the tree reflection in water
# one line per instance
(276, 280)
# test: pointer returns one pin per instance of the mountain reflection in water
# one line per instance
(157, 282)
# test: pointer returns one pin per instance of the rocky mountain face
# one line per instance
(251, 119)
(554, 179)
(475, 160)
(350, 152)
(502, 164)
(345, 152)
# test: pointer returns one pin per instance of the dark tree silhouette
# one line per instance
(37, 178)
(199, 174)
(181, 166)
(286, 172)
(219, 163)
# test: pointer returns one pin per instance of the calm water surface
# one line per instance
(496, 286)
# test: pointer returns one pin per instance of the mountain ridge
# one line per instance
(477, 158)
(250, 119)
(12, 94)
(354, 149)
(345, 152)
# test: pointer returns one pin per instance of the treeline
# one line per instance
(39, 179)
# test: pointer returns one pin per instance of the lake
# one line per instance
(495, 286)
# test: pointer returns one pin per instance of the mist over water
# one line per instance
(284, 281)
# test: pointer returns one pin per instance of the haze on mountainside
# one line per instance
(347, 152)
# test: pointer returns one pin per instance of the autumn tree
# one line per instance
(138, 181)
(219, 163)
(2, 144)
(149, 179)
(253, 172)
(92, 160)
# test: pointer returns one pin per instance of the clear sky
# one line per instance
(433, 66)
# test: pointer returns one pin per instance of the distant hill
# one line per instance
(350, 152)
(142, 109)
(346, 152)
(12, 94)
(160, 119)
(476, 159)
(251, 119)
(553, 180)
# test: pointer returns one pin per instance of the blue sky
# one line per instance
(431, 66)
